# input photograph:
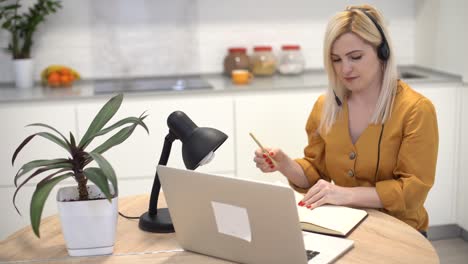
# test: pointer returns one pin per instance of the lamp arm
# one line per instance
(168, 140)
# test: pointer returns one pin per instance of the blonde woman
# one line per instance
(371, 134)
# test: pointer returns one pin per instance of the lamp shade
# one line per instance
(197, 142)
(201, 143)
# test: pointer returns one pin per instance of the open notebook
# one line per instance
(329, 219)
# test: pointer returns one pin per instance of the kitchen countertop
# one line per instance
(311, 79)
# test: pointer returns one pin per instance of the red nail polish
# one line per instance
(264, 155)
(301, 203)
(268, 161)
(272, 153)
(272, 166)
(309, 206)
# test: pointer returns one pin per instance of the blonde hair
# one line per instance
(354, 20)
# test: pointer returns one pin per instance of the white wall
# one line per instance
(115, 38)
(248, 23)
(441, 35)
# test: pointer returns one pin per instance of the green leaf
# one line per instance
(28, 179)
(72, 141)
(106, 169)
(7, 24)
(128, 120)
(38, 199)
(51, 164)
(44, 135)
(115, 140)
(40, 163)
(97, 176)
(10, 7)
(49, 127)
(104, 115)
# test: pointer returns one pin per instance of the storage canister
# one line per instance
(291, 60)
(236, 59)
(263, 61)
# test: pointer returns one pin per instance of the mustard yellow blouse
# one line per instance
(408, 155)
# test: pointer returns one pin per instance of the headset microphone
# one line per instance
(338, 101)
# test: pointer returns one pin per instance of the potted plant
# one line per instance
(22, 27)
(85, 232)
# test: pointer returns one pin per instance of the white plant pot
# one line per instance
(88, 227)
(24, 78)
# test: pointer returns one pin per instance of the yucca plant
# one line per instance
(56, 170)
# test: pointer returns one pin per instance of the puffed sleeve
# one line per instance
(416, 163)
(314, 153)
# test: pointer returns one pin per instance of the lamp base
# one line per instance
(159, 223)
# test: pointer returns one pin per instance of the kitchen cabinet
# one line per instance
(15, 117)
(441, 201)
(462, 184)
(11, 220)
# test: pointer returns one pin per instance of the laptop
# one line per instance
(242, 220)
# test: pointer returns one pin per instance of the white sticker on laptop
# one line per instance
(232, 220)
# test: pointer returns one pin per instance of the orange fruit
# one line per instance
(64, 71)
(72, 77)
(65, 80)
(53, 79)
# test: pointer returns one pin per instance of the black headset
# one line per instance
(383, 50)
(378, 154)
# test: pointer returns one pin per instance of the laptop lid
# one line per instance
(231, 218)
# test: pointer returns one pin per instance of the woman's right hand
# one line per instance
(284, 164)
(264, 163)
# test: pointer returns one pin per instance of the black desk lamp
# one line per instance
(198, 146)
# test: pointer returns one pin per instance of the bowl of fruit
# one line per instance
(59, 76)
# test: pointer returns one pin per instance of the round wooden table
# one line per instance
(380, 238)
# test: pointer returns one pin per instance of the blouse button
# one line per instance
(352, 155)
(350, 173)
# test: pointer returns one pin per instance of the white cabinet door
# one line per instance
(277, 120)
(138, 156)
(15, 117)
(462, 197)
(440, 202)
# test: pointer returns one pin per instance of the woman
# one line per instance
(371, 134)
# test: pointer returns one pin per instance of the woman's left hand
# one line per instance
(324, 192)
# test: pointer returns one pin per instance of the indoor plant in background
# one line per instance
(22, 26)
(85, 233)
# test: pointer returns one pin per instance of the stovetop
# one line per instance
(151, 84)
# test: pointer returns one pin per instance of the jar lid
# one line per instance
(290, 47)
(237, 49)
(262, 48)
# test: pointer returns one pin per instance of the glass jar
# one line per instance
(262, 61)
(236, 59)
(291, 60)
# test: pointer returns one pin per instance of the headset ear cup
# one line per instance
(383, 52)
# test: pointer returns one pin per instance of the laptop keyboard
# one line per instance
(311, 254)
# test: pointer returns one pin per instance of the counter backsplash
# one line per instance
(109, 39)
